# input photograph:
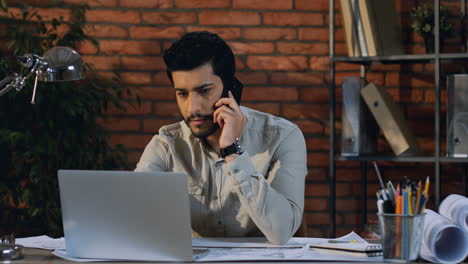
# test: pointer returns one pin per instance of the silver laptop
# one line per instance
(126, 215)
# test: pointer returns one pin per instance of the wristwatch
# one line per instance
(235, 148)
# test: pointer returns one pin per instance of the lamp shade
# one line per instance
(63, 64)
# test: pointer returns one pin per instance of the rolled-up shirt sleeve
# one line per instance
(275, 201)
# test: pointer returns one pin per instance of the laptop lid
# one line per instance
(126, 215)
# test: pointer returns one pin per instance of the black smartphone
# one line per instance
(225, 92)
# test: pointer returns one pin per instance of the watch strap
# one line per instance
(234, 148)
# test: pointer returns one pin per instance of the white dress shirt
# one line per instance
(260, 192)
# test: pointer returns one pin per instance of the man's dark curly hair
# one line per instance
(197, 48)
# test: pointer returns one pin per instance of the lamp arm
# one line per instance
(8, 82)
(16, 81)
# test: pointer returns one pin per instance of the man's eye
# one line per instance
(182, 94)
(204, 91)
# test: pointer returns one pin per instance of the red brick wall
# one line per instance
(282, 58)
(277, 42)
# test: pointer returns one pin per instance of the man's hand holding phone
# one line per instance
(231, 120)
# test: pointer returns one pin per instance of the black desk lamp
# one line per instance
(56, 65)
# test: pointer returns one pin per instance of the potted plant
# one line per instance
(423, 23)
(61, 131)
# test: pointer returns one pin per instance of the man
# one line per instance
(246, 168)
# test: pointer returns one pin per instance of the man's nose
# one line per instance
(195, 104)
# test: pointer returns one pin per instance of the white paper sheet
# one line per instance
(261, 242)
(42, 242)
(443, 241)
(455, 208)
(274, 254)
(258, 249)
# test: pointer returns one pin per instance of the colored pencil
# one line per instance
(426, 187)
(418, 198)
(398, 204)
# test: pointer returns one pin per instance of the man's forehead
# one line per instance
(205, 68)
(200, 77)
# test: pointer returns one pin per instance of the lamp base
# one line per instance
(11, 252)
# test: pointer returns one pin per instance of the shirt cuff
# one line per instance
(242, 168)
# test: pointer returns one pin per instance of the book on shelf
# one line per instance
(371, 28)
(390, 120)
(357, 22)
(351, 35)
(380, 23)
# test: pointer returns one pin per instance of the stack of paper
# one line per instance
(258, 249)
(445, 238)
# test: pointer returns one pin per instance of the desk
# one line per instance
(39, 256)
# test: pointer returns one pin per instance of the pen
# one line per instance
(384, 194)
(392, 190)
(423, 203)
(414, 194)
(378, 174)
(342, 241)
(403, 183)
(380, 206)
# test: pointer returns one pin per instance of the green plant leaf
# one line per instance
(4, 6)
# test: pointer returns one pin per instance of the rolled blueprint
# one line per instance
(443, 241)
(455, 208)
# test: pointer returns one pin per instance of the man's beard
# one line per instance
(203, 133)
